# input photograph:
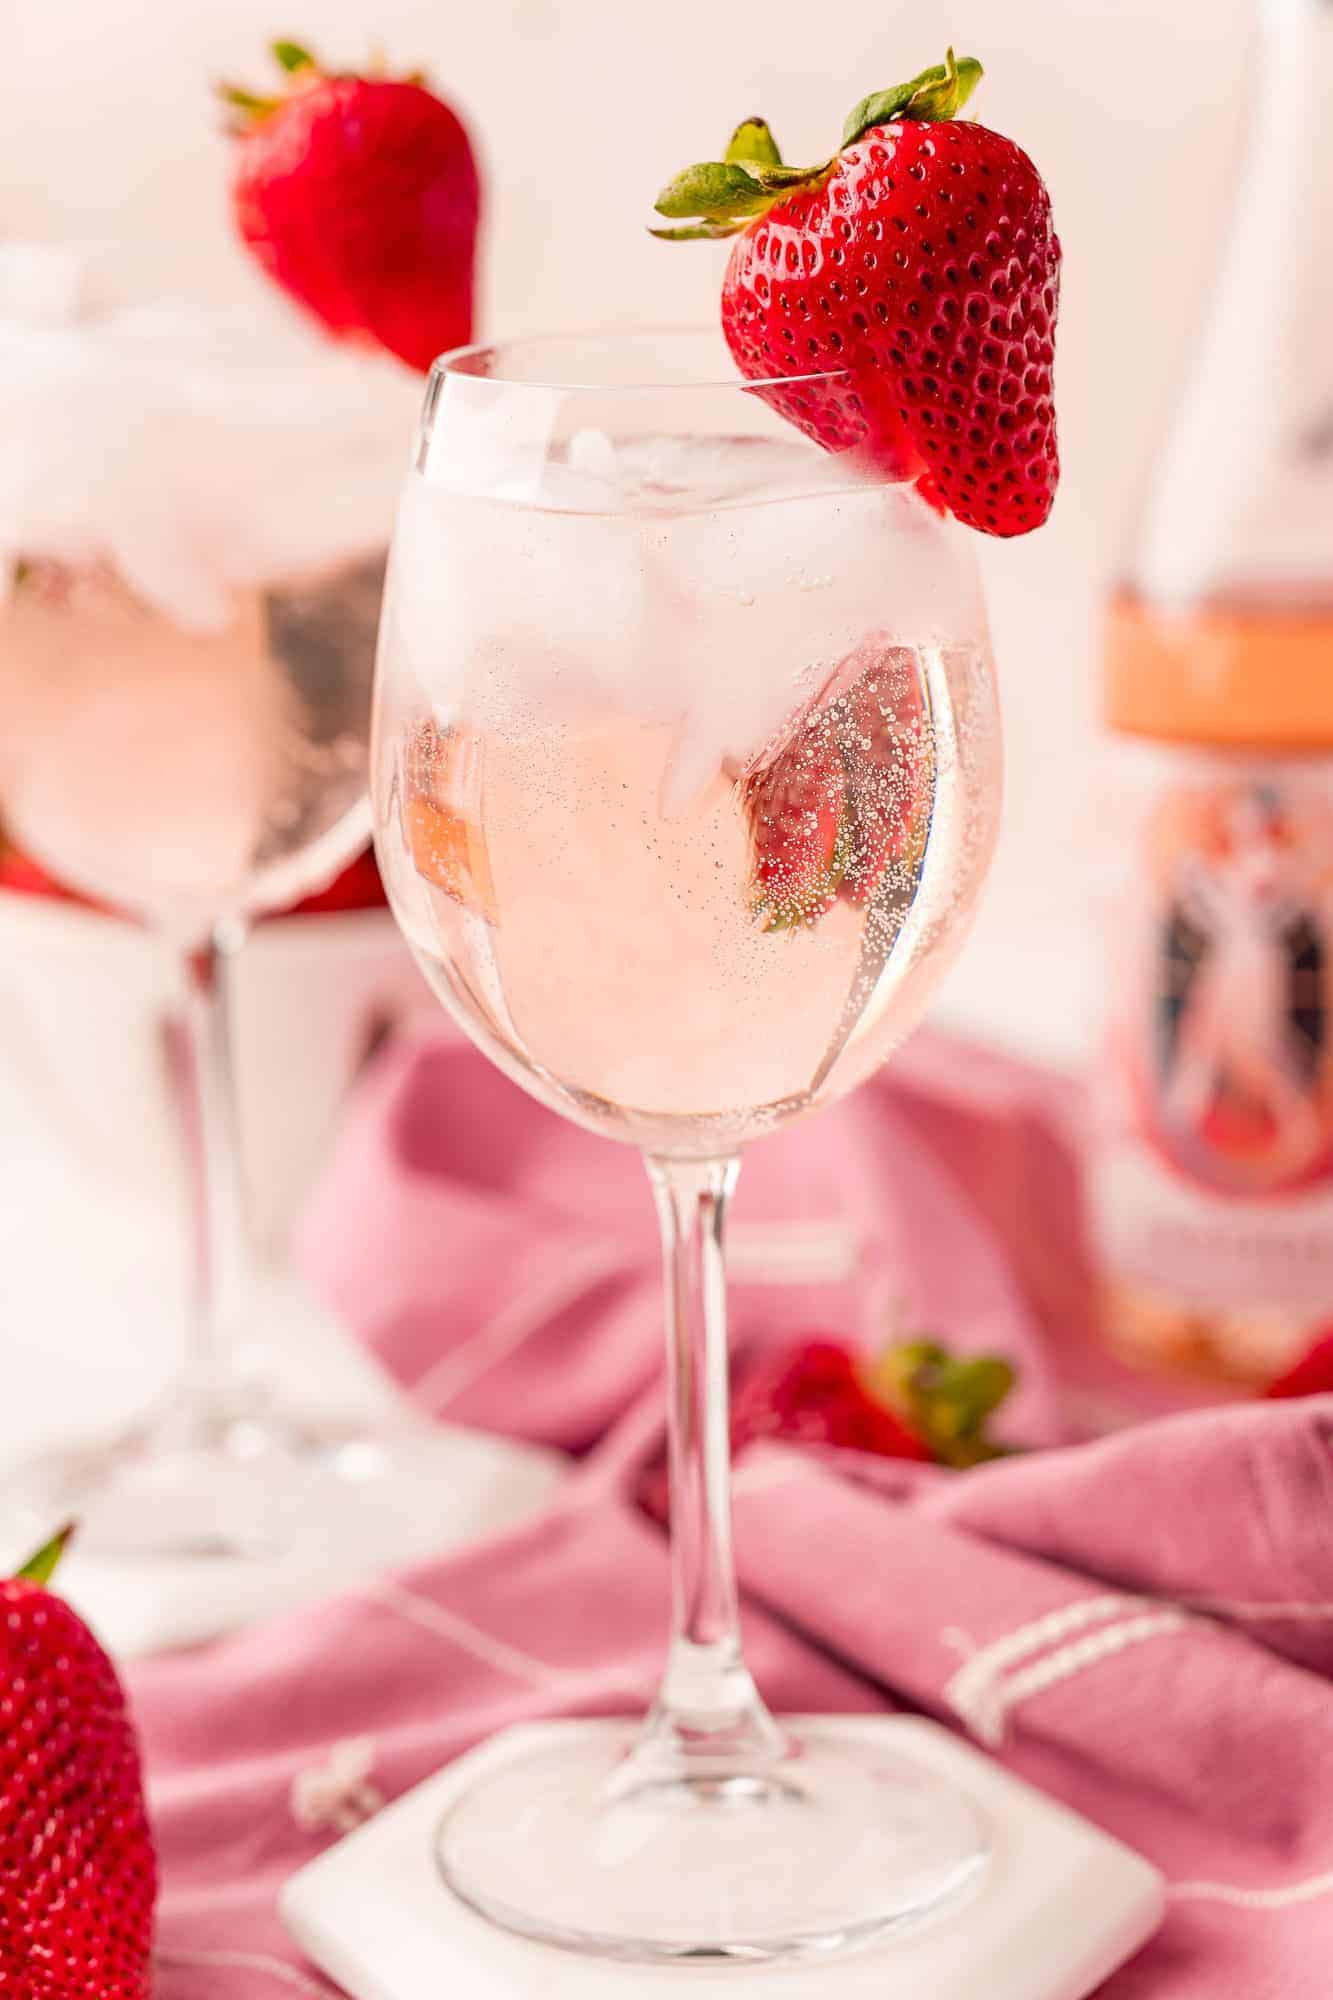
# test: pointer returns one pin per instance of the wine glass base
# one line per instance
(244, 1487)
(829, 1849)
(178, 1545)
(1060, 1906)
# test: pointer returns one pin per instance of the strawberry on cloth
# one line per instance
(917, 272)
(912, 1400)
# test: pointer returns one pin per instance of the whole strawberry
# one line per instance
(921, 264)
(78, 1877)
(360, 196)
(913, 1400)
(818, 1393)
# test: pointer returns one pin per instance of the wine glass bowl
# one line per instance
(685, 774)
(687, 765)
(184, 776)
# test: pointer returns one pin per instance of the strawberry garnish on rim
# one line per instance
(359, 195)
(921, 261)
(79, 1880)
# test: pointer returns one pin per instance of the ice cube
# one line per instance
(519, 615)
(587, 480)
(197, 451)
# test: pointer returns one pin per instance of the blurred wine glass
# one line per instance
(193, 509)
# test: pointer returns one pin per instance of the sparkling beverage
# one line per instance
(683, 798)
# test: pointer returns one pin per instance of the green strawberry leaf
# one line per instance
(947, 1400)
(291, 57)
(40, 1568)
(715, 191)
(694, 232)
(753, 145)
(776, 179)
(937, 94)
(249, 102)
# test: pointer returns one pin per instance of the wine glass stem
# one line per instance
(213, 1390)
(708, 1707)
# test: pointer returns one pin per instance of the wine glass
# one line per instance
(685, 775)
(193, 519)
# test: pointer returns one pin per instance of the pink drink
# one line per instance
(579, 862)
(190, 512)
(180, 773)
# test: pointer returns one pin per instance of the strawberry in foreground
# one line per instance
(78, 1876)
(359, 195)
(921, 259)
(914, 1400)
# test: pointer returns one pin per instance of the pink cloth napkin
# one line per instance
(1141, 1625)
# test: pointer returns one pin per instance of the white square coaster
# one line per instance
(1062, 1905)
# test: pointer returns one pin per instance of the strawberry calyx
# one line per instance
(718, 198)
(947, 1400)
(42, 1566)
(301, 70)
(938, 94)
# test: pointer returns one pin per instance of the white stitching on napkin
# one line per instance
(1283, 1898)
(1087, 1652)
(971, 1692)
(249, 1961)
(983, 1692)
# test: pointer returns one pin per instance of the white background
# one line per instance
(581, 109)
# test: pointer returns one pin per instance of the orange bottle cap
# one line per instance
(1262, 679)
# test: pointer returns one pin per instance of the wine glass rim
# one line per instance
(456, 363)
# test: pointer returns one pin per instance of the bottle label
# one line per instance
(1213, 1181)
(1225, 1039)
